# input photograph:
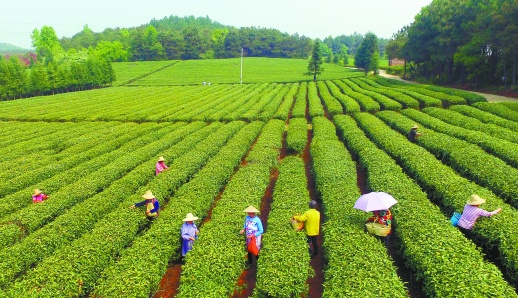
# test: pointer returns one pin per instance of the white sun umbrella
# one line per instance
(375, 201)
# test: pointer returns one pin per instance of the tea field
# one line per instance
(221, 71)
(271, 141)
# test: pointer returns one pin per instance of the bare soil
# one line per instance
(315, 283)
(248, 278)
(170, 281)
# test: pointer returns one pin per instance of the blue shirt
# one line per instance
(188, 231)
(253, 225)
(156, 205)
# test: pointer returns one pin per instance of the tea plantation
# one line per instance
(229, 139)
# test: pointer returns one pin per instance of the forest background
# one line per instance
(469, 43)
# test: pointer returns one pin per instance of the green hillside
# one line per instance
(6, 48)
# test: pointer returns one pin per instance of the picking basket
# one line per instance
(378, 229)
(297, 225)
(455, 219)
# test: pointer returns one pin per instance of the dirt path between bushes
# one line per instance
(489, 97)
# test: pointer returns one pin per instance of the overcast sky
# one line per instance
(314, 19)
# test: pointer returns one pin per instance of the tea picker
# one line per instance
(253, 230)
(380, 224)
(151, 203)
(38, 196)
(413, 134)
(311, 220)
(189, 233)
(471, 213)
(160, 165)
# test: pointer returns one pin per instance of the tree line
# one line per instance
(184, 38)
(83, 61)
(367, 56)
(461, 41)
(53, 70)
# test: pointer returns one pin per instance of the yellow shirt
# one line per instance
(311, 219)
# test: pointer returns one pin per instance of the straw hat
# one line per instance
(475, 200)
(161, 158)
(251, 209)
(37, 192)
(415, 126)
(148, 195)
(190, 217)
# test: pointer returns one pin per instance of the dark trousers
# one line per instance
(312, 240)
(466, 232)
(251, 258)
(385, 240)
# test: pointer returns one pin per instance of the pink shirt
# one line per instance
(471, 214)
(38, 198)
(160, 166)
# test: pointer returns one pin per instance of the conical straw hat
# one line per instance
(37, 192)
(190, 217)
(161, 158)
(475, 200)
(148, 195)
(251, 209)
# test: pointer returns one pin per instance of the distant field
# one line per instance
(126, 71)
(195, 72)
(383, 62)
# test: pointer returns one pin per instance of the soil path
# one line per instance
(248, 278)
(168, 287)
(414, 287)
(489, 97)
(316, 283)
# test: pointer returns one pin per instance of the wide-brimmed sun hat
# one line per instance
(37, 192)
(148, 195)
(161, 158)
(190, 217)
(251, 209)
(475, 200)
(415, 126)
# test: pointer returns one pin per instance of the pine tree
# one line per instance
(315, 62)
